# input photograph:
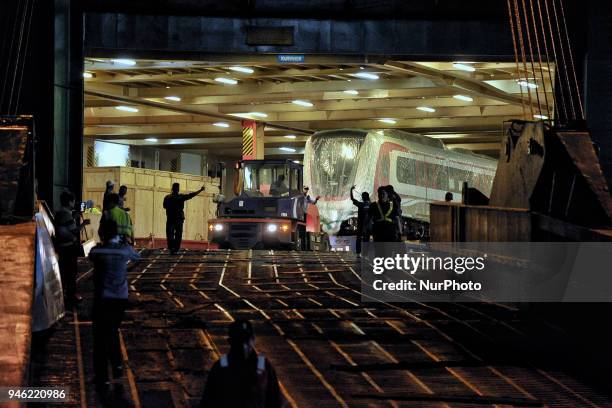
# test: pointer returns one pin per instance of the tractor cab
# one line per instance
(269, 211)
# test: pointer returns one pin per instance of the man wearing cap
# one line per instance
(242, 378)
(110, 189)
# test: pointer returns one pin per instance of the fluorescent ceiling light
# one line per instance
(296, 161)
(426, 109)
(126, 108)
(389, 121)
(290, 136)
(303, 103)
(287, 149)
(366, 75)
(464, 67)
(526, 84)
(151, 139)
(123, 61)
(245, 70)
(221, 124)
(351, 92)
(464, 98)
(543, 117)
(87, 75)
(173, 98)
(228, 81)
(249, 115)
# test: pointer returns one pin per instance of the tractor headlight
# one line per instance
(218, 227)
(272, 227)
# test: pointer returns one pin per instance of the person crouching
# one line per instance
(110, 260)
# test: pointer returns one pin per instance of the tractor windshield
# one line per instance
(270, 180)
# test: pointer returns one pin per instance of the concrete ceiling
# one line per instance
(199, 102)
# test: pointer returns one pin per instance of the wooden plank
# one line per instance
(17, 250)
(146, 191)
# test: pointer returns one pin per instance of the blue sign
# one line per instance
(290, 58)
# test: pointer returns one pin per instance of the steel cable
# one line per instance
(569, 88)
(25, 53)
(522, 46)
(531, 58)
(569, 46)
(539, 58)
(18, 54)
(557, 74)
(550, 72)
(516, 57)
(9, 56)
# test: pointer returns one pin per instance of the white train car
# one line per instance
(420, 168)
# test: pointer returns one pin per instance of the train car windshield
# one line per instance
(270, 180)
(334, 165)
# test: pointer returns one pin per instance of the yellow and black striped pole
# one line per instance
(252, 140)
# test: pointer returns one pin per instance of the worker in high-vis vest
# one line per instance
(383, 213)
(122, 218)
(242, 378)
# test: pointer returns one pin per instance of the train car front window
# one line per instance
(335, 171)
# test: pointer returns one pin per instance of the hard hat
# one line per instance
(240, 331)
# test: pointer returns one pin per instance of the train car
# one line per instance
(420, 168)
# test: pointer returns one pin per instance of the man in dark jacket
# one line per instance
(110, 300)
(363, 207)
(174, 204)
(383, 213)
(242, 378)
(67, 245)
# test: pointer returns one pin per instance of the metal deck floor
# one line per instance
(328, 347)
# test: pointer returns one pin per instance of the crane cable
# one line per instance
(569, 46)
(541, 66)
(522, 46)
(571, 99)
(550, 71)
(557, 67)
(516, 59)
(527, 30)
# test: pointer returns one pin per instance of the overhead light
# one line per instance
(221, 124)
(426, 109)
(543, 117)
(526, 84)
(87, 75)
(351, 92)
(287, 149)
(464, 67)
(173, 98)
(123, 61)
(151, 139)
(464, 98)
(228, 81)
(361, 68)
(290, 136)
(389, 121)
(303, 103)
(366, 75)
(296, 161)
(242, 69)
(126, 108)
(249, 115)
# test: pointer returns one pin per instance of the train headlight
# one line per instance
(272, 227)
(284, 227)
(218, 227)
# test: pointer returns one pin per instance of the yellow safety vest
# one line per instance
(385, 217)
(123, 220)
